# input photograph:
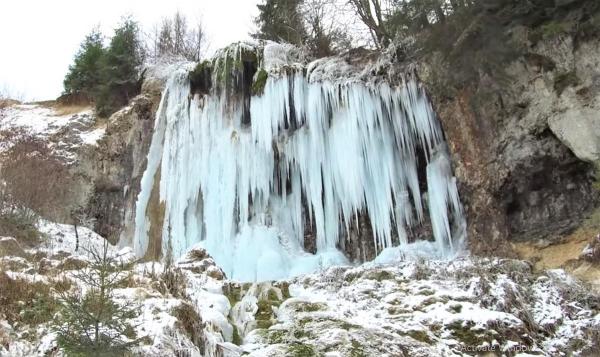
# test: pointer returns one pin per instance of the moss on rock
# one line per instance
(260, 80)
(357, 349)
(201, 78)
(303, 306)
(464, 332)
(301, 350)
(264, 315)
(420, 335)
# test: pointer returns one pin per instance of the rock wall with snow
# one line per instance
(71, 133)
(120, 158)
(525, 147)
(258, 156)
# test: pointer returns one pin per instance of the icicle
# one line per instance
(342, 148)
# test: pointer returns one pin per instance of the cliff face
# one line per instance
(525, 149)
(120, 160)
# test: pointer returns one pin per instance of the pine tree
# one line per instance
(281, 20)
(84, 74)
(121, 67)
(92, 323)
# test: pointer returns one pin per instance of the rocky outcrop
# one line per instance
(523, 148)
(120, 160)
(120, 163)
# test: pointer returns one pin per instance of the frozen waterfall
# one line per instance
(246, 182)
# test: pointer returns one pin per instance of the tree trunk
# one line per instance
(76, 237)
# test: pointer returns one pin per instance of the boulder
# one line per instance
(579, 129)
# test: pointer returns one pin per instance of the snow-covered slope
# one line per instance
(407, 308)
(65, 131)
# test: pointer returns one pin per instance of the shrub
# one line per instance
(20, 227)
(191, 323)
(565, 80)
(35, 181)
(553, 29)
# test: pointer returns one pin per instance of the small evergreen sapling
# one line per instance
(91, 322)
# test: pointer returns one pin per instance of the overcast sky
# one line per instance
(38, 38)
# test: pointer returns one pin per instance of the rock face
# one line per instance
(120, 160)
(523, 151)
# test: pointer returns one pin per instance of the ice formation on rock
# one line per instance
(244, 174)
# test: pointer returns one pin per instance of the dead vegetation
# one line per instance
(29, 302)
(9, 98)
(35, 181)
(66, 105)
(5, 102)
(62, 109)
(191, 323)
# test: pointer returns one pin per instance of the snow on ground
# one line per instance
(35, 118)
(414, 307)
(467, 306)
(92, 137)
(41, 120)
(62, 238)
(65, 132)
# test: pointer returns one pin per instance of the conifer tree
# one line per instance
(84, 74)
(90, 322)
(281, 20)
(121, 67)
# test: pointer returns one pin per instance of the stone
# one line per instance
(579, 129)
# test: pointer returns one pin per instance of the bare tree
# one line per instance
(326, 35)
(373, 14)
(165, 39)
(80, 218)
(179, 33)
(197, 42)
(9, 97)
(175, 38)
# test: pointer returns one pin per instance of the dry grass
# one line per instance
(198, 254)
(25, 301)
(561, 254)
(62, 109)
(5, 102)
(191, 323)
(66, 109)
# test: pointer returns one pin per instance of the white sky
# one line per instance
(38, 38)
